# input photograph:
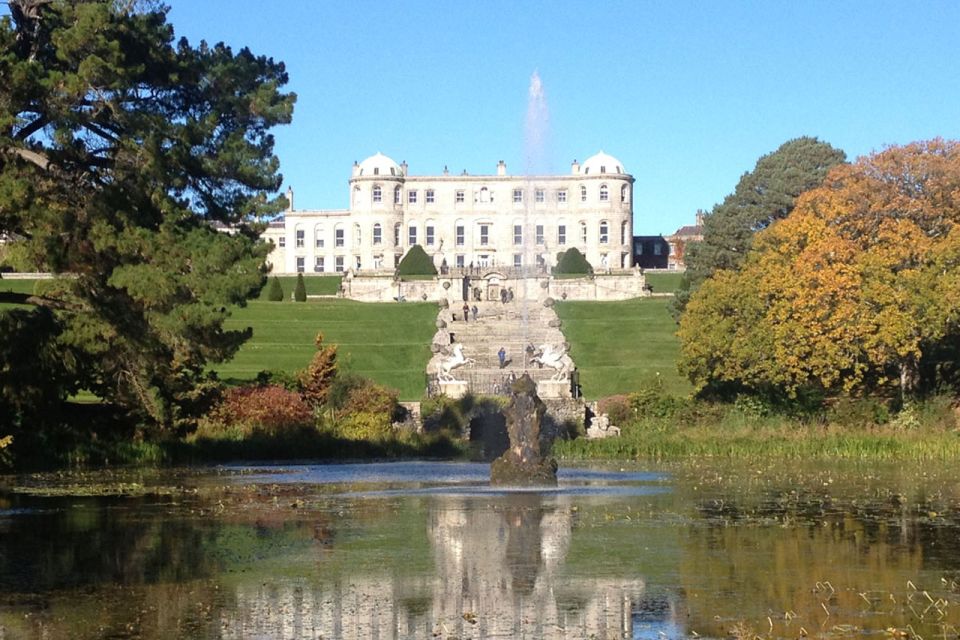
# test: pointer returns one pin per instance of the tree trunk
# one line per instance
(909, 376)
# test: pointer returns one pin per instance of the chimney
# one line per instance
(501, 168)
(289, 198)
(575, 167)
(699, 217)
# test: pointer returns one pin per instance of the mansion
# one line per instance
(462, 220)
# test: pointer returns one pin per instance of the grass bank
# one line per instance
(315, 285)
(386, 342)
(621, 346)
(664, 282)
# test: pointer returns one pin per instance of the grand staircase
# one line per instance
(515, 326)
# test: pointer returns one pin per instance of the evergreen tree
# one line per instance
(275, 292)
(300, 291)
(118, 150)
(416, 263)
(572, 261)
(762, 196)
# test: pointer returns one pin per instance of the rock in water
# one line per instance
(523, 464)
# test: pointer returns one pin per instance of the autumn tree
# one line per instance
(761, 197)
(318, 377)
(859, 288)
(119, 149)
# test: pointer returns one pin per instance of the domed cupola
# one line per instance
(377, 165)
(600, 164)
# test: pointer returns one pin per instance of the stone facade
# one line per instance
(495, 220)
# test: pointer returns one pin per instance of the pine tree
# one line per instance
(300, 291)
(275, 292)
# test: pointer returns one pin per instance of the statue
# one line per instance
(555, 358)
(455, 361)
(523, 463)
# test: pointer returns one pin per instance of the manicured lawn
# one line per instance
(316, 285)
(619, 346)
(17, 286)
(664, 282)
(387, 342)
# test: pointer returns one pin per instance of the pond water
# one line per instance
(429, 550)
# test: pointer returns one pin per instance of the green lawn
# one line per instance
(316, 285)
(664, 282)
(387, 342)
(618, 346)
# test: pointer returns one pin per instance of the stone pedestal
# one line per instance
(553, 389)
(454, 388)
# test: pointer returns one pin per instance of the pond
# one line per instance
(429, 550)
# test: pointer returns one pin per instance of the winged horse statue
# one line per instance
(447, 365)
(554, 358)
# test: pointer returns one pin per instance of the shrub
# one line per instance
(371, 398)
(275, 292)
(317, 379)
(300, 291)
(617, 409)
(416, 263)
(289, 381)
(443, 413)
(364, 425)
(858, 412)
(572, 261)
(269, 408)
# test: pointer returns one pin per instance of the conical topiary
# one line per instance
(416, 263)
(275, 291)
(300, 291)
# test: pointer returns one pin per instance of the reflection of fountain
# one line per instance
(523, 463)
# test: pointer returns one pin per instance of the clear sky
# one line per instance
(686, 94)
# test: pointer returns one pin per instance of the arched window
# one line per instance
(623, 193)
(583, 193)
(318, 239)
(356, 235)
(396, 194)
(396, 235)
(377, 193)
(604, 193)
(623, 232)
(583, 233)
(604, 232)
(377, 233)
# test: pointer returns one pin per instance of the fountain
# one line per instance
(523, 463)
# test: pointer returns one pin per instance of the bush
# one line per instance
(275, 292)
(617, 409)
(572, 261)
(300, 291)
(365, 426)
(371, 398)
(319, 376)
(416, 263)
(443, 413)
(269, 408)
(858, 412)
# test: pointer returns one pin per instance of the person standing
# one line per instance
(502, 355)
(475, 312)
(466, 312)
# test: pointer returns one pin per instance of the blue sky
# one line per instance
(686, 94)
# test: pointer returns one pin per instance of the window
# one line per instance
(604, 193)
(460, 235)
(318, 236)
(604, 232)
(459, 260)
(318, 264)
(338, 264)
(562, 195)
(623, 193)
(657, 248)
(356, 235)
(623, 233)
(376, 171)
(583, 194)
(396, 235)
(484, 234)
(377, 193)
(300, 237)
(412, 196)
(338, 237)
(583, 233)
(396, 194)
(562, 234)
(539, 233)
(299, 264)
(283, 241)
(603, 169)
(460, 196)
(517, 196)
(429, 196)
(540, 195)
(517, 234)
(430, 235)
(377, 234)
(639, 248)
(358, 263)
(517, 260)
(412, 235)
